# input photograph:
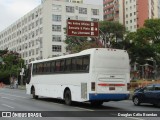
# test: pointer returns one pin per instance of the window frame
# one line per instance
(49, 67)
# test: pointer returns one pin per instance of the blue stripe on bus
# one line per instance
(109, 97)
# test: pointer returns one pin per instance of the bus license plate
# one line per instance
(111, 88)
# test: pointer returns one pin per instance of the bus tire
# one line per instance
(96, 103)
(67, 97)
(33, 94)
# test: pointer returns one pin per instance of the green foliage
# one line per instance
(112, 30)
(145, 42)
(11, 64)
(76, 44)
(154, 26)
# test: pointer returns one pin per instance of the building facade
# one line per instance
(40, 33)
(113, 10)
(75, 1)
(131, 13)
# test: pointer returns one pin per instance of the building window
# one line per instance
(57, 8)
(40, 20)
(70, 9)
(56, 17)
(41, 30)
(94, 19)
(82, 10)
(95, 12)
(56, 48)
(56, 28)
(56, 38)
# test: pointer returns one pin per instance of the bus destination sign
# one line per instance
(82, 28)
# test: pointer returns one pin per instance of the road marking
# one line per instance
(7, 98)
(13, 95)
(83, 109)
(8, 106)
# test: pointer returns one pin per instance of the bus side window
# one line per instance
(68, 65)
(73, 64)
(38, 68)
(52, 66)
(48, 67)
(86, 60)
(44, 67)
(41, 68)
(57, 66)
(79, 64)
(34, 69)
(62, 65)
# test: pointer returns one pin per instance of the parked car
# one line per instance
(149, 94)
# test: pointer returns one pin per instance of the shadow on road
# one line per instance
(85, 105)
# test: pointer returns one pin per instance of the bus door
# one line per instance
(28, 74)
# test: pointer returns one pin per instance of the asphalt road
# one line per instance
(17, 100)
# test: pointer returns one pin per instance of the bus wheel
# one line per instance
(33, 94)
(67, 97)
(96, 103)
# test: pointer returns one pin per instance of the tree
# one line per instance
(76, 44)
(11, 64)
(138, 46)
(154, 26)
(112, 32)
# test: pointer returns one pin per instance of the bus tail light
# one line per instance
(104, 84)
(93, 86)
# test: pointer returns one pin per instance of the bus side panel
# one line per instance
(57, 91)
(54, 85)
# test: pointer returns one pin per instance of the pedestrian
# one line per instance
(11, 82)
(16, 83)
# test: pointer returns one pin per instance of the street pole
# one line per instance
(21, 80)
(21, 73)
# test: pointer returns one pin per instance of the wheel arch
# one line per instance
(67, 88)
(32, 88)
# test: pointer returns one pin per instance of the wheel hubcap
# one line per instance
(136, 101)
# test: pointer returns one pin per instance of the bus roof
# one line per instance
(84, 52)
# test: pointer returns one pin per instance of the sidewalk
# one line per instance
(19, 87)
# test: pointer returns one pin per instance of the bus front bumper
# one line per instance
(108, 97)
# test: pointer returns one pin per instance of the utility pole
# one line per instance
(21, 74)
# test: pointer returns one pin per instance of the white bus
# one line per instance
(95, 75)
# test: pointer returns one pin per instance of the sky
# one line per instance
(12, 10)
